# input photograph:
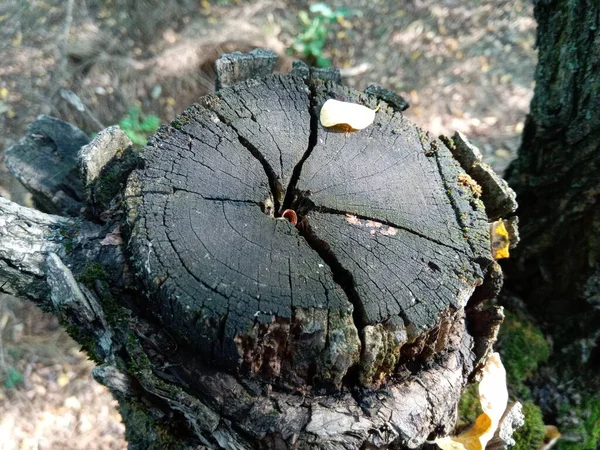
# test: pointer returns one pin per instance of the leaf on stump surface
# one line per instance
(344, 114)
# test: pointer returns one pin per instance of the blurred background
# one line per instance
(463, 65)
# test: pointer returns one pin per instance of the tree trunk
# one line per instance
(220, 319)
(557, 177)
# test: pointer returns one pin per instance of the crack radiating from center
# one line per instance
(341, 276)
(291, 191)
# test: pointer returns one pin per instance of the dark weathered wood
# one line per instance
(388, 238)
(26, 237)
(105, 164)
(308, 73)
(46, 162)
(142, 365)
(234, 67)
(499, 199)
(216, 322)
(396, 101)
(271, 118)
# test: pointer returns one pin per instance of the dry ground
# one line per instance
(463, 65)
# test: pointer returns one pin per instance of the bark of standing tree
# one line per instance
(556, 268)
(217, 323)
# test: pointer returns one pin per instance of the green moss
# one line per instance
(68, 235)
(91, 272)
(523, 348)
(144, 431)
(469, 407)
(87, 341)
(531, 434)
(115, 313)
(69, 246)
(584, 434)
(180, 121)
(139, 361)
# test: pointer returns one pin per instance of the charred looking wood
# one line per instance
(215, 320)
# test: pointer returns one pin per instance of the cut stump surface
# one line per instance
(388, 247)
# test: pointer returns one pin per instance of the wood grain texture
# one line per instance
(46, 162)
(387, 234)
(218, 324)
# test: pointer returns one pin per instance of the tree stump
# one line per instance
(221, 319)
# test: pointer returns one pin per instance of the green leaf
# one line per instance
(126, 123)
(136, 137)
(150, 123)
(134, 113)
(323, 62)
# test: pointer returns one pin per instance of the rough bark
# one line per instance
(235, 67)
(46, 162)
(217, 323)
(556, 269)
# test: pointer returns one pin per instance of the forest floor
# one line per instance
(462, 65)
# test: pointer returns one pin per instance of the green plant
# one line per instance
(138, 131)
(469, 407)
(314, 32)
(12, 378)
(532, 433)
(585, 431)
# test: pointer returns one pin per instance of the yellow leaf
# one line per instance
(346, 115)
(499, 239)
(3, 93)
(470, 439)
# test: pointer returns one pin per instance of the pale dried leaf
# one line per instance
(493, 393)
(493, 396)
(344, 114)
